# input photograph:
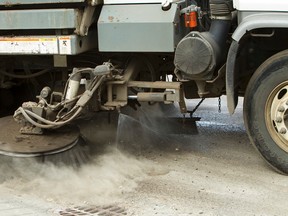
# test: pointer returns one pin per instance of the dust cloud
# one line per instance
(102, 181)
(110, 173)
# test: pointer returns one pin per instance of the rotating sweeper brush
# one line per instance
(46, 128)
(14, 143)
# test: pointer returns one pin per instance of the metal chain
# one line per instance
(197, 106)
(219, 105)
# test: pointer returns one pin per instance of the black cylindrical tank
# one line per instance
(198, 54)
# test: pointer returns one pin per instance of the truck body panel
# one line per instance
(66, 18)
(139, 28)
(25, 2)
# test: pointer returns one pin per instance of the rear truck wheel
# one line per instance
(266, 111)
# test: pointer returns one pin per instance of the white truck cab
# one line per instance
(261, 5)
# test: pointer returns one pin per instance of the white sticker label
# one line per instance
(64, 45)
(28, 45)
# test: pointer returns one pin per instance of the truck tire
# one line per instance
(266, 111)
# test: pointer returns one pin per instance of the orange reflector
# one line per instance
(191, 19)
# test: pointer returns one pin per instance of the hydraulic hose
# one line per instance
(77, 109)
(49, 124)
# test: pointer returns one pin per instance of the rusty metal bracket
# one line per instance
(86, 21)
(173, 92)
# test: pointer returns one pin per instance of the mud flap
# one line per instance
(232, 98)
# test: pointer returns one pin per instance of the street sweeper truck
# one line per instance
(62, 59)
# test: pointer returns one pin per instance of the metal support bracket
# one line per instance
(173, 92)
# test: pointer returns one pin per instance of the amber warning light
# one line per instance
(191, 19)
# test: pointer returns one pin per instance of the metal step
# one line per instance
(25, 2)
(48, 45)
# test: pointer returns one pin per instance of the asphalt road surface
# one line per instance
(156, 167)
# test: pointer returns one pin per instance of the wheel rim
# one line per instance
(276, 115)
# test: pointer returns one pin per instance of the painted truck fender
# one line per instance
(253, 21)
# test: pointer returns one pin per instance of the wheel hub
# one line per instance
(277, 106)
(13, 143)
